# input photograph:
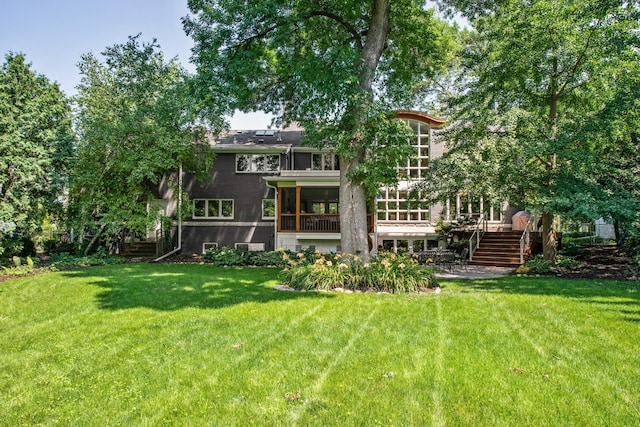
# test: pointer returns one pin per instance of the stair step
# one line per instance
(140, 249)
(494, 263)
(500, 249)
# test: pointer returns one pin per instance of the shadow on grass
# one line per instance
(172, 287)
(622, 297)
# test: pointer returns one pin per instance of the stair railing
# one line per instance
(474, 241)
(525, 239)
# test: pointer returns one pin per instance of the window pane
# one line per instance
(199, 208)
(268, 208)
(227, 208)
(242, 163)
(257, 163)
(414, 126)
(317, 207)
(316, 162)
(214, 208)
(273, 163)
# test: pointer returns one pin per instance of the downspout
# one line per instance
(179, 247)
(275, 191)
(275, 225)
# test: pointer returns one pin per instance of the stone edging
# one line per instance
(435, 290)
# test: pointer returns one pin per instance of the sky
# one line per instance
(53, 34)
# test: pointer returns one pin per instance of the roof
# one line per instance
(257, 140)
(423, 117)
(276, 140)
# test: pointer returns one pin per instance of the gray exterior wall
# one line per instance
(245, 189)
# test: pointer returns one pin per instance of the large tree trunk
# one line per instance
(353, 211)
(353, 195)
(549, 241)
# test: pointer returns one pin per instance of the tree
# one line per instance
(533, 75)
(134, 126)
(36, 144)
(338, 68)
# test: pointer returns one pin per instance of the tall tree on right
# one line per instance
(535, 73)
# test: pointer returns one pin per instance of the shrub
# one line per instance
(572, 248)
(566, 262)
(385, 273)
(65, 260)
(56, 246)
(537, 264)
(265, 259)
(227, 257)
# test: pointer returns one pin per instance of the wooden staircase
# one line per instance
(140, 249)
(498, 248)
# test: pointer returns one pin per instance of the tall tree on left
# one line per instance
(134, 125)
(36, 144)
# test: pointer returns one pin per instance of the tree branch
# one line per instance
(350, 28)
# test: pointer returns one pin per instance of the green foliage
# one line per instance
(541, 89)
(565, 261)
(36, 144)
(569, 242)
(572, 247)
(56, 246)
(230, 257)
(537, 264)
(87, 337)
(65, 260)
(134, 127)
(384, 273)
(338, 69)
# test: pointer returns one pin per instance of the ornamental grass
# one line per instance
(387, 272)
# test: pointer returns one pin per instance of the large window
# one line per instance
(324, 162)
(257, 163)
(468, 207)
(213, 208)
(394, 205)
(268, 208)
(414, 167)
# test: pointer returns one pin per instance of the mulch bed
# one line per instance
(596, 262)
(601, 262)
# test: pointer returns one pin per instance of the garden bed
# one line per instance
(601, 262)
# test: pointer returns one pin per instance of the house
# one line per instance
(268, 191)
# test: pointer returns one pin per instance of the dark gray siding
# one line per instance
(246, 190)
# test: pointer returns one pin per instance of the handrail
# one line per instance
(525, 239)
(474, 241)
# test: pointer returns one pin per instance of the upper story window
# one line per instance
(324, 162)
(213, 208)
(394, 205)
(416, 165)
(257, 163)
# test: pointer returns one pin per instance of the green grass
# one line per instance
(201, 345)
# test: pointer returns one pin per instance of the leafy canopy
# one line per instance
(311, 63)
(135, 124)
(36, 144)
(337, 68)
(528, 121)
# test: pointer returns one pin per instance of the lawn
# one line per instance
(200, 345)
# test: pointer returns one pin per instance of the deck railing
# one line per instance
(525, 239)
(479, 230)
(319, 223)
